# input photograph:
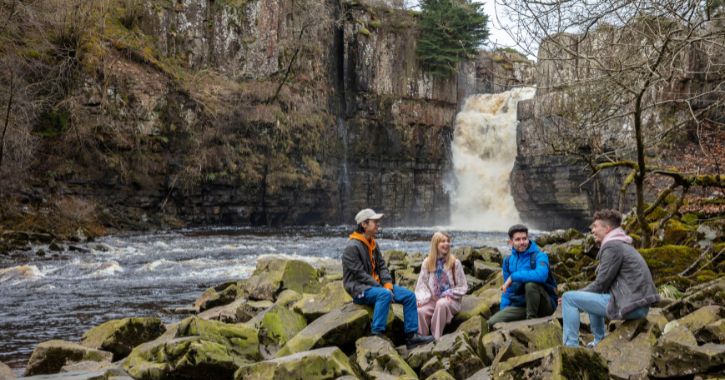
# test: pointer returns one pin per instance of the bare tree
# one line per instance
(622, 76)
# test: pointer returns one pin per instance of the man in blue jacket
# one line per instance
(529, 290)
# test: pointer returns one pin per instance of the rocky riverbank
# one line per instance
(290, 320)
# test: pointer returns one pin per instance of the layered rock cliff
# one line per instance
(265, 112)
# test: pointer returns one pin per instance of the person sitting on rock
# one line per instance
(623, 287)
(367, 279)
(529, 289)
(440, 287)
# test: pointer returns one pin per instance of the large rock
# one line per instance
(628, 349)
(276, 326)
(677, 355)
(332, 296)
(120, 336)
(241, 310)
(378, 359)
(472, 306)
(498, 345)
(453, 350)
(195, 348)
(217, 296)
(553, 363)
(323, 363)
(535, 334)
(6, 372)
(241, 340)
(341, 327)
(558, 237)
(182, 358)
(49, 357)
(698, 319)
(275, 274)
(112, 373)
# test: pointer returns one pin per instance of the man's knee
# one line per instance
(384, 296)
(531, 287)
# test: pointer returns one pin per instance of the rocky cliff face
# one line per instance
(264, 112)
(552, 179)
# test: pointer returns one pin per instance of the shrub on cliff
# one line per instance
(450, 30)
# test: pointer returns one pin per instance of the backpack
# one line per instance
(549, 285)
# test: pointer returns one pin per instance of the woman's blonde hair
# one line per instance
(433, 253)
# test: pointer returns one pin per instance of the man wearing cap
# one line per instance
(367, 280)
(529, 291)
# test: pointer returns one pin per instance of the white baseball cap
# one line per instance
(366, 214)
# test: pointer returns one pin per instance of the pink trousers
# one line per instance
(435, 315)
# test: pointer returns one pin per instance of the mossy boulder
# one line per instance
(242, 340)
(241, 310)
(668, 260)
(678, 355)
(275, 327)
(470, 307)
(491, 296)
(534, 334)
(430, 367)
(323, 363)
(628, 349)
(217, 296)
(275, 274)
(341, 327)
(120, 336)
(453, 350)
(313, 306)
(378, 359)
(288, 298)
(553, 363)
(676, 233)
(182, 358)
(49, 357)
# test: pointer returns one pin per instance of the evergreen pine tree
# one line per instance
(450, 30)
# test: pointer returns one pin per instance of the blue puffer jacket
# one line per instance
(519, 268)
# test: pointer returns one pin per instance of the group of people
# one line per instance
(623, 287)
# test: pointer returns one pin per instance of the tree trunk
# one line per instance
(7, 116)
(641, 170)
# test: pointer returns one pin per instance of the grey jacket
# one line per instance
(357, 269)
(623, 273)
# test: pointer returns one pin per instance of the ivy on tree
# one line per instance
(450, 30)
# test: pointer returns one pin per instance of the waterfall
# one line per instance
(344, 186)
(484, 150)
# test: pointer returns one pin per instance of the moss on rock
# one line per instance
(120, 336)
(49, 357)
(313, 306)
(323, 363)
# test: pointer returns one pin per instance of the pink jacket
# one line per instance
(426, 282)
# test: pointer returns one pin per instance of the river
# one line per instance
(61, 295)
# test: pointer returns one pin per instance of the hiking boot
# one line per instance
(414, 339)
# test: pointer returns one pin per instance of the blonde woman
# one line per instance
(441, 285)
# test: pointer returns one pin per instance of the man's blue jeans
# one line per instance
(596, 305)
(380, 298)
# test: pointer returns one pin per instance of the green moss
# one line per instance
(364, 32)
(690, 219)
(676, 232)
(667, 261)
(374, 24)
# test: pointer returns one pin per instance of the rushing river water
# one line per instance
(60, 296)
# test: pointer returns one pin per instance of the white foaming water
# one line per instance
(484, 150)
(20, 273)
